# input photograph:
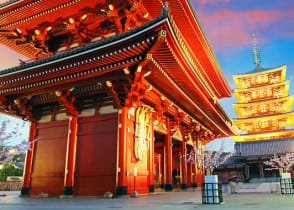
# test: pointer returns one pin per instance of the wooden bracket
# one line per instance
(67, 100)
(25, 109)
(185, 133)
(174, 125)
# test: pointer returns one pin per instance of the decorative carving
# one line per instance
(131, 90)
(81, 28)
(24, 108)
(67, 100)
(185, 133)
(143, 131)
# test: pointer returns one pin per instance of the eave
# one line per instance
(288, 100)
(181, 10)
(289, 116)
(83, 64)
(171, 62)
(264, 135)
(261, 87)
(281, 69)
(239, 92)
(266, 71)
(78, 62)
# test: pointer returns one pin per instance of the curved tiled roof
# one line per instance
(265, 147)
(82, 48)
(257, 70)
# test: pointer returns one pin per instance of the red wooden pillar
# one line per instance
(151, 160)
(122, 188)
(183, 166)
(70, 163)
(29, 161)
(260, 168)
(168, 158)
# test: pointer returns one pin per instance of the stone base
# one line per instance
(134, 194)
(168, 187)
(184, 186)
(121, 190)
(67, 190)
(43, 195)
(108, 195)
(66, 196)
(25, 191)
(194, 185)
(151, 188)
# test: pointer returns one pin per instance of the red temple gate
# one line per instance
(113, 86)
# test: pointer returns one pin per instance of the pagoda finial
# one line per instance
(256, 53)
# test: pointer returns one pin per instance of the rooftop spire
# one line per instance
(256, 53)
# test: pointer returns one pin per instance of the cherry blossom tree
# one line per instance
(284, 161)
(9, 150)
(209, 159)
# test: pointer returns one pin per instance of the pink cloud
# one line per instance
(8, 57)
(228, 28)
(213, 1)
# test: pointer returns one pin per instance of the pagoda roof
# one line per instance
(288, 115)
(269, 101)
(32, 14)
(173, 72)
(262, 87)
(261, 70)
(77, 51)
(288, 100)
(266, 135)
(265, 147)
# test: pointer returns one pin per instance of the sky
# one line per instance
(229, 25)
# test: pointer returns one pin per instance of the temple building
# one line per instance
(117, 93)
(264, 111)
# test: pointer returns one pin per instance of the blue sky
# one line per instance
(229, 25)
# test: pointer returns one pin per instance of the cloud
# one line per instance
(212, 1)
(8, 57)
(228, 28)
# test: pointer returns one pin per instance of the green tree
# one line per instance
(9, 170)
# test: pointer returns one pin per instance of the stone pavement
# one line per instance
(164, 200)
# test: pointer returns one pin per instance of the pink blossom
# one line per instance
(8, 151)
(209, 159)
(285, 161)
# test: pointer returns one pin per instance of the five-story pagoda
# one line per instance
(263, 104)
(264, 110)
